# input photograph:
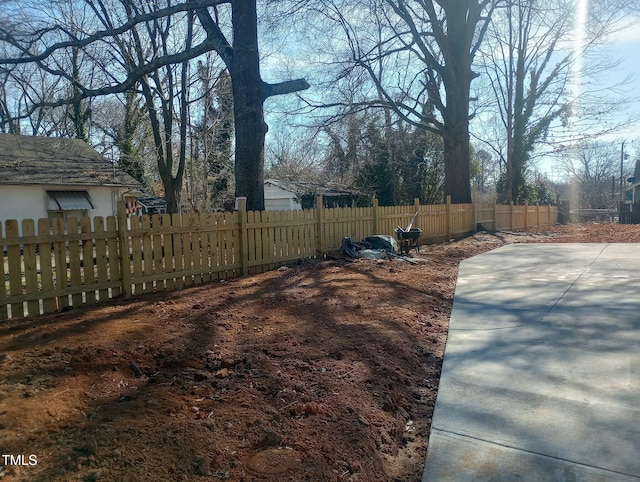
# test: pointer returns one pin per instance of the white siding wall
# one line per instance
(30, 202)
(279, 199)
(22, 202)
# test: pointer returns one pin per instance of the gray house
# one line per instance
(292, 195)
(46, 177)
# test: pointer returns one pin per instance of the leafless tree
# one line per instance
(593, 167)
(134, 26)
(533, 64)
(419, 55)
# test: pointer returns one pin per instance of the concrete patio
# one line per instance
(540, 375)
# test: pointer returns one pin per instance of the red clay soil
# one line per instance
(321, 371)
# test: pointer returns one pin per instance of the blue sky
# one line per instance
(623, 46)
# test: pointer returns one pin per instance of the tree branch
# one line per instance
(216, 38)
(28, 57)
(281, 88)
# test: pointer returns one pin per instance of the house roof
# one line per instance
(55, 160)
(305, 188)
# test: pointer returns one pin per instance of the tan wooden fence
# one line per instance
(89, 260)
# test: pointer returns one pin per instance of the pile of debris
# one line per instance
(373, 247)
(384, 247)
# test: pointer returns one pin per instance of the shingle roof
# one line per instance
(54, 160)
(302, 188)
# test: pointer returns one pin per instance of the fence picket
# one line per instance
(176, 222)
(88, 267)
(206, 220)
(187, 251)
(196, 248)
(45, 251)
(15, 267)
(113, 258)
(75, 268)
(60, 258)
(136, 255)
(4, 312)
(30, 266)
(167, 252)
(147, 254)
(157, 250)
(101, 256)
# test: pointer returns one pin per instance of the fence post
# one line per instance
(320, 208)
(244, 236)
(375, 216)
(549, 216)
(449, 220)
(495, 214)
(526, 214)
(123, 248)
(537, 215)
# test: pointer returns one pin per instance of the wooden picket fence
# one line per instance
(95, 259)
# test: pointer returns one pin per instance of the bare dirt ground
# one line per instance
(320, 371)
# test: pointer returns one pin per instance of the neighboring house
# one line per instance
(46, 177)
(290, 195)
(633, 188)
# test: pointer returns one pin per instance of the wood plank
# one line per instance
(88, 266)
(113, 255)
(266, 242)
(75, 268)
(233, 240)
(307, 227)
(205, 229)
(208, 242)
(147, 253)
(304, 225)
(232, 243)
(60, 256)
(254, 239)
(213, 240)
(196, 248)
(220, 244)
(176, 222)
(187, 250)
(30, 266)
(157, 251)
(276, 250)
(15, 268)
(136, 255)
(292, 218)
(167, 255)
(101, 256)
(4, 312)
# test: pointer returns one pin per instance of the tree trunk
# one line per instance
(458, 58)
(248, 102)
(457, 182)
(455, 134)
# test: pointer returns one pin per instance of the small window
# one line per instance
(69, 201)
(68, 204)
